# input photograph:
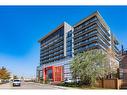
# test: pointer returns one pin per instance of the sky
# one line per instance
(22, 26)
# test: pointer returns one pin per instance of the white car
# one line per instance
(16, 82)
(68, 81)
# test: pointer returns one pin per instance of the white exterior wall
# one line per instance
(67, 28)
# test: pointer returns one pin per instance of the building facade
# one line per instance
(93, 33)
(56, 50)
(123, 65)
(59, 47)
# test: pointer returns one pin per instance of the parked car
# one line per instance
(4, 81)
(69, 81)
(16, 82)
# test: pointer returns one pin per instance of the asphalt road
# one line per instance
(32, 85)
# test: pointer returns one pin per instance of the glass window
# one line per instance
(49, 74)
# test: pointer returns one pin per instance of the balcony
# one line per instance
(116, 49)
(104, 33)
(57, 40)
(88, 47)
(52, 47)
(104, 39)
(101, 42)
(103, 29)
(86, 42)
(86, 36)
(84, 26)
(86, 30)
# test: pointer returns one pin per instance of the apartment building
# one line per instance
(55, 53)
(93, 33)
(59, 47)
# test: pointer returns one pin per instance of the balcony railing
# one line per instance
(87, 36)
(82, 27)
(86, 42)
(85, 30)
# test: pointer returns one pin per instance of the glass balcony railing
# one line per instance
(86, 42)
(103, 37)
(86, 36)
(105, 33)
(84, 24)
(116, 49)
(83, 31)
(102, 42)
(103, 29)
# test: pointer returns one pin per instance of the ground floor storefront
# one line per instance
(55, 72)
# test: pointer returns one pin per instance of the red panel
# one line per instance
(57, 74)
(44, 74)
(53, 78)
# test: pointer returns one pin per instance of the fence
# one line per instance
(110, 83)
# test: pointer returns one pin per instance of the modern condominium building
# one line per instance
(59, 46)
(93, 33)
(55, 53)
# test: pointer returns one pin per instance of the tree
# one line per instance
(113, 64)
(90, 65)
(4, 73)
